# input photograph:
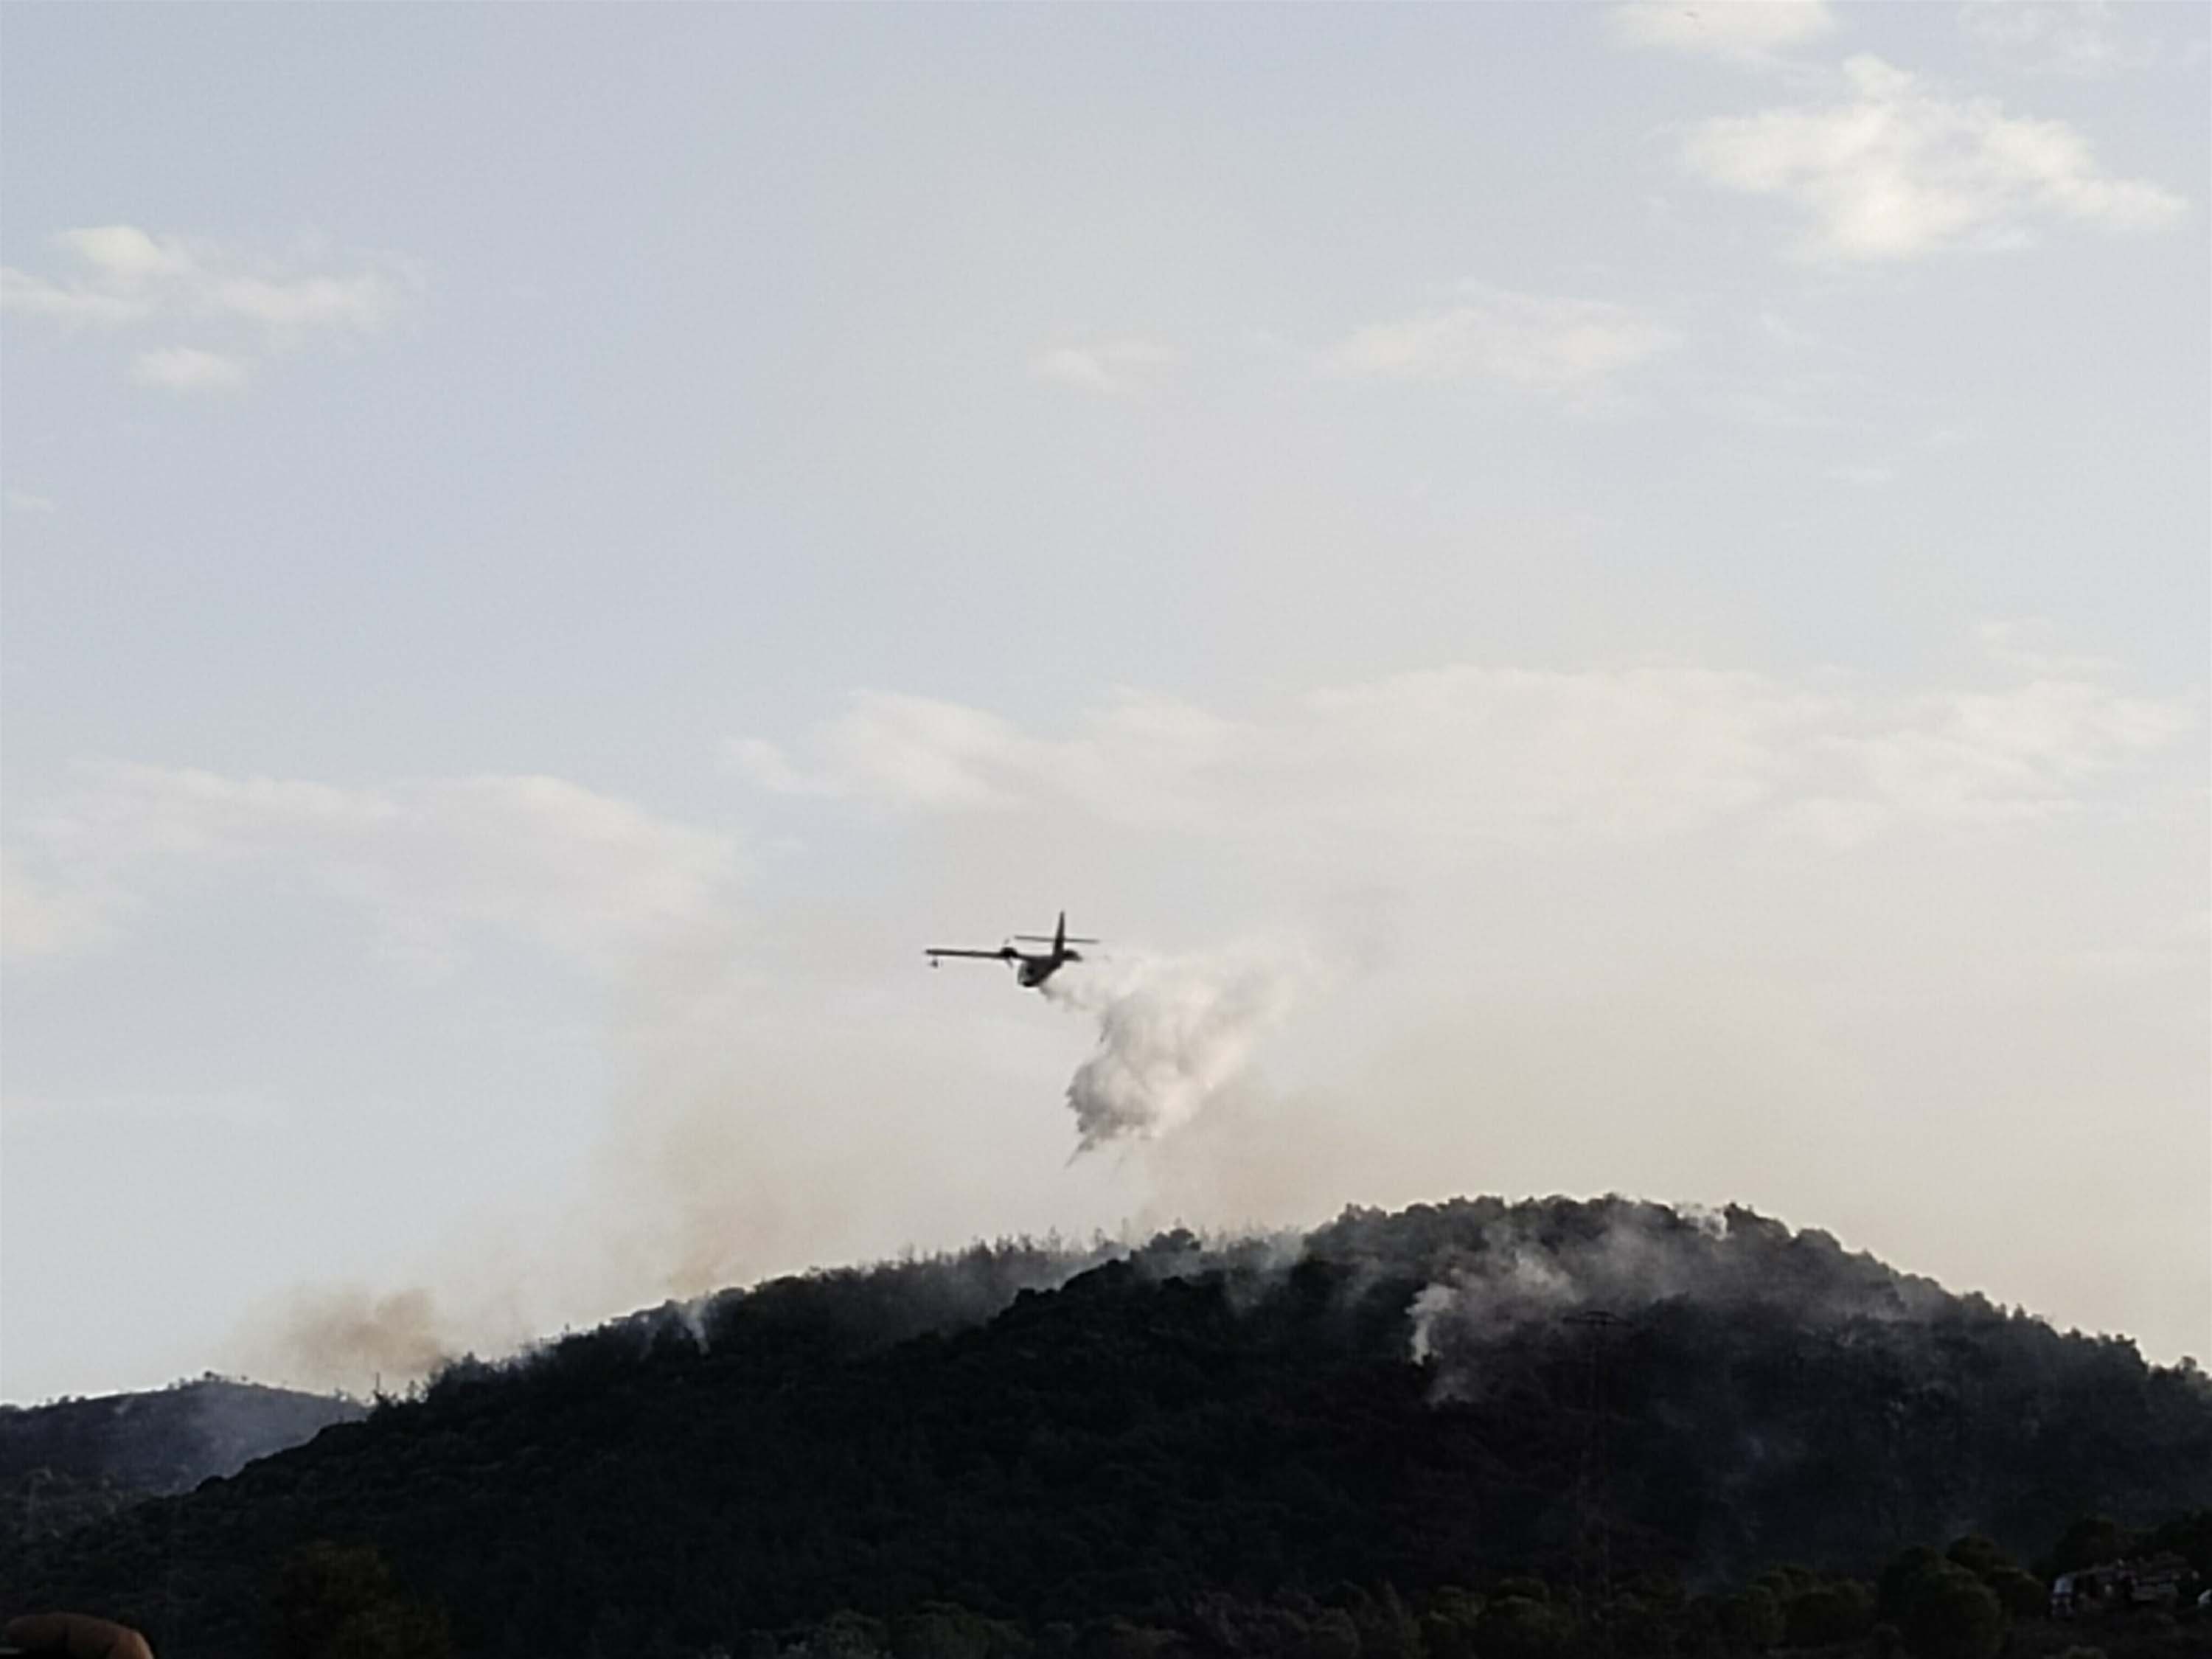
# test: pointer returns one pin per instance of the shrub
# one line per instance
(1521, 1627)
(2022, 1594)
(1952, 1614)
(1751, 1620)
(1841, 1611)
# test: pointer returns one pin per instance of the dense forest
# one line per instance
(77, 1460)
(1476, 1430)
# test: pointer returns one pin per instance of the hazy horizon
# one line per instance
(1603, 598)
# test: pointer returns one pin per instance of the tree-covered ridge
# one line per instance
(1597, 1393)
(75, 1460)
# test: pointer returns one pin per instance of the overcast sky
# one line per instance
(1647, 564)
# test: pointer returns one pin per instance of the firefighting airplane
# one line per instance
(1031, 967)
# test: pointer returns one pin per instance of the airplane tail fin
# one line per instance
(1059, 939)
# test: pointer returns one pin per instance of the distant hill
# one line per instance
(75, 1460)
(1600, 1394)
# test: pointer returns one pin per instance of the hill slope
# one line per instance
(75, 1460)
(1420, 1399)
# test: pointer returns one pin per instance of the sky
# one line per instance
(1591, 598)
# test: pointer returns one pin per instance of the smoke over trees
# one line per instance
(74, 1460)
(1602, 1395)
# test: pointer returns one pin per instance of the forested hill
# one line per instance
(1417, 1400)
(75, 1460)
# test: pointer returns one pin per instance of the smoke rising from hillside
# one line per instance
(345, 1336)
(1772, 1398)
(726, 1119)
(1513, 1268)
(1173, 1031)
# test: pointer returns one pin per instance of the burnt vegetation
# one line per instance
(1472, 1431)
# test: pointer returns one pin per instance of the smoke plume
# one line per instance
(344, 1335)
(1519, 1266)
(1173, 1031)
(730, 1154)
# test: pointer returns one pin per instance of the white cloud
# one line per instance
(594, 878)
(766, 766)
(2026, 752)
(38, 920)
(1897, 170)
(187, 368)
(1114, 369)
(908, 750)
(121, 276)
(2050, 37)
(1466, 754)
(1568, 348)
(362, 303)
(2031, 643)
(919, 753)
(24, 501)
(1742, 31)
(1778, 331)
(127, 256)
(35, 296)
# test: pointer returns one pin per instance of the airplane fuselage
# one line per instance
(1031, 967)
(1033, 971)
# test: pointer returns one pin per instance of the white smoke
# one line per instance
(732, 1159)
(1534, 1264)
(1173, 1032)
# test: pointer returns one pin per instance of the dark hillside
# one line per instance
(72, 1460)
(1586, 1391)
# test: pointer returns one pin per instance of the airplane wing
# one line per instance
(998, 955)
